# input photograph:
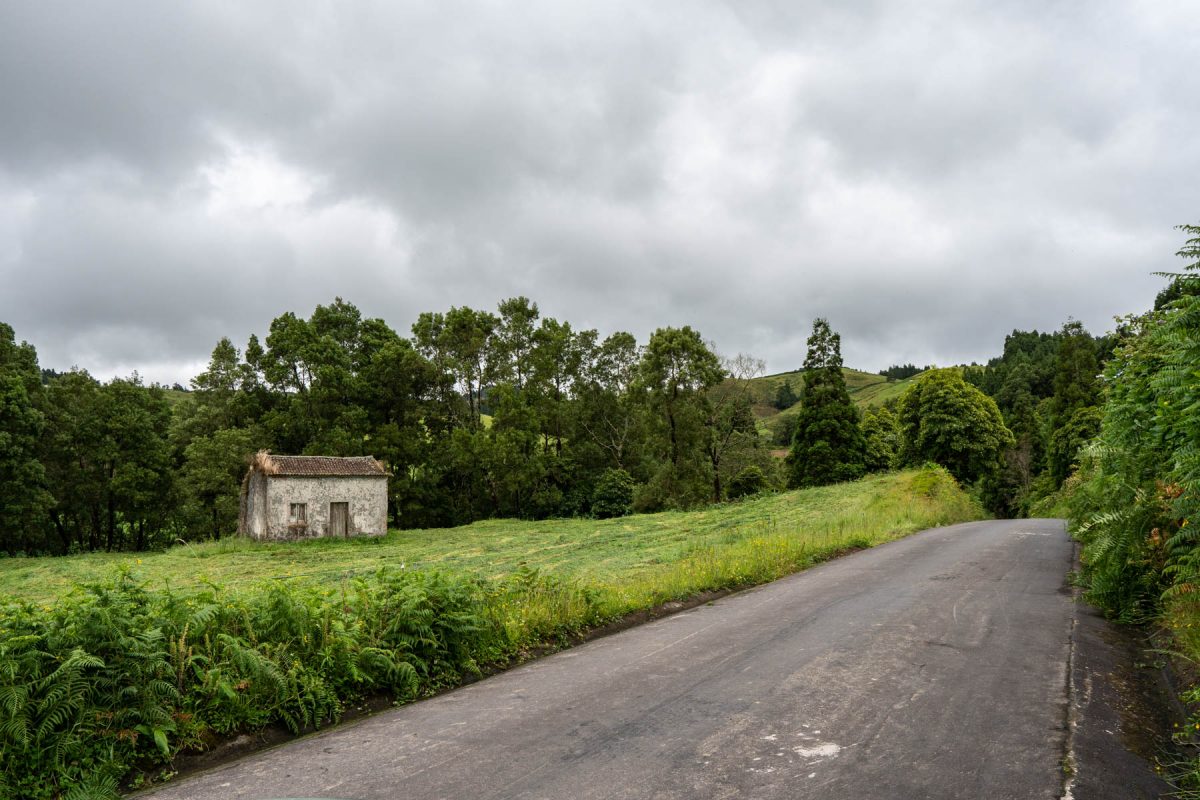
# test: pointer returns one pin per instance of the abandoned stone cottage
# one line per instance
(292, 497)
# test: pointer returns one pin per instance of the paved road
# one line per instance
(932, 667)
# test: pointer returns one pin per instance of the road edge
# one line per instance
(1119, 718)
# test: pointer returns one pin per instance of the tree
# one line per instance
(828, 446)
(1074, 418)
(70, 451)
(460, 342)
(881, 434)
(785, 396)
(515, 340)
(1069, 438)
(946, 420)
(898, 372)
(140, 474)
(749, 481)
(676, 370)
(729, 419)
(613, 495)
(23, 497)
(1011, 491)
(212, 479)
(1076, 370)
(608, 413)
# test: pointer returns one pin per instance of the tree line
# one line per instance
(477, 414)
(508, 414)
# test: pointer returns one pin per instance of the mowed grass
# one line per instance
(665, 555)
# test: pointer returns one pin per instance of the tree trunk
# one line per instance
(63, 534)
(112, 519)
(716, 468)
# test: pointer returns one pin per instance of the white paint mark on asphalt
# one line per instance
(825, 750)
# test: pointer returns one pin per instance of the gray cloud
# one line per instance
(927, 175)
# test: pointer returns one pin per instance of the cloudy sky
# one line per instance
(928, 175)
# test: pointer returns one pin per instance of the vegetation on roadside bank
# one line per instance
(102, 689)
(1134, 501)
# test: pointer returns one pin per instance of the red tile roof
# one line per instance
(319, 466)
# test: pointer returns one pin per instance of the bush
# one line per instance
(749, 481)
(613, 495)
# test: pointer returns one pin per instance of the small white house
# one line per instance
(296, 497)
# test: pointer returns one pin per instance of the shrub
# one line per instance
(749, 481)
(613, 495)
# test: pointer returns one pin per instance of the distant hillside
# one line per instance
(866, 389)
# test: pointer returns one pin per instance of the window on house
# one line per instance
(298, 513)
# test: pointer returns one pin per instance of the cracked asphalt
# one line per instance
(931, 667)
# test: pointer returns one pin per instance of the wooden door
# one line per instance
(339, 519)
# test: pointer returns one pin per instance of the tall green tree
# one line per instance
(732, 434)
(785, 396)
(1076, 373)
(828, 445)
(946, 420)
(1011, 491)
(70, 451)
(881, 434)
(609, 417)
(676, 370)
(24, 500)
(140, 491)
(1073, 414)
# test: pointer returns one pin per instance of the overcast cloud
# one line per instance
(927, 175)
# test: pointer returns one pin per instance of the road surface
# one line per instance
(932, 667)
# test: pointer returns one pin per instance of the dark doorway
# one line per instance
(339, 519)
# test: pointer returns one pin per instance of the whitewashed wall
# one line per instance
(367, 497)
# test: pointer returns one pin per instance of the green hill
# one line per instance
(866, 389)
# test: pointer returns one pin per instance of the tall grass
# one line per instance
(109, 684)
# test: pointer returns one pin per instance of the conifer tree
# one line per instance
(828, 446)
(785, 396)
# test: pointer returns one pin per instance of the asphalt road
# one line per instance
(932, 667)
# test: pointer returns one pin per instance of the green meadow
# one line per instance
(596, 552)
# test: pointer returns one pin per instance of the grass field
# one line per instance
(593, 551)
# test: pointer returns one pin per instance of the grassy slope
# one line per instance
(865, 388)
(641, 549)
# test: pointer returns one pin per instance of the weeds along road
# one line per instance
(931, 667)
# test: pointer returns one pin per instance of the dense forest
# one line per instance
(510, 414)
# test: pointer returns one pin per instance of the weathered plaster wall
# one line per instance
(367, 497)
(256, 505)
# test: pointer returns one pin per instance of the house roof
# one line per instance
(318, 466)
